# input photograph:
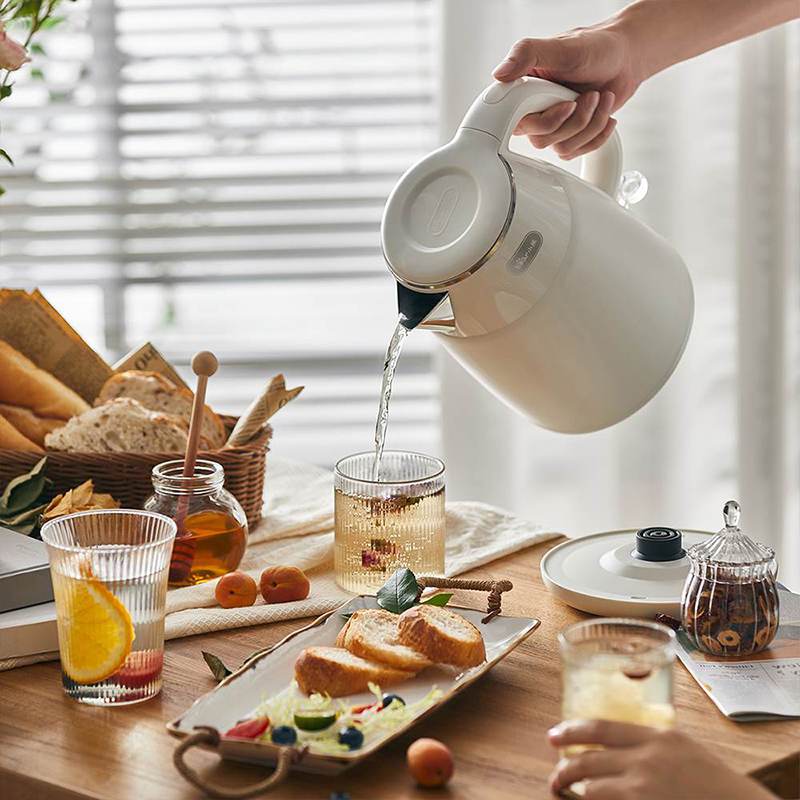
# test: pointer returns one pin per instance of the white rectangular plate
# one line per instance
(271, 672)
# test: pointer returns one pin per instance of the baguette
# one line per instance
(337, 672)
(121, 425)
(157, 393)
(12, 439)
(29, 424)
(22, 383)
(442, 636)
(372, 633)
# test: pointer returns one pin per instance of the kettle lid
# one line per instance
(448, 212)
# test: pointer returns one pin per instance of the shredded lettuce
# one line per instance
(374, 722)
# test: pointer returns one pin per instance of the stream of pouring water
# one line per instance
(389, 367)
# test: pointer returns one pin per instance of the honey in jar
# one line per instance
(212, 527)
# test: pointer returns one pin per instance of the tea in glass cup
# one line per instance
(395, 521)
(617, 669)
(109, 571)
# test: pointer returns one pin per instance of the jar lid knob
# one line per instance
(731, 512)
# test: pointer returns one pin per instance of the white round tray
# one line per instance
(599, 574)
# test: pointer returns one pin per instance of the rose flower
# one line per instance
(12, 53)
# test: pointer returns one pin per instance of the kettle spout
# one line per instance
(416, 308)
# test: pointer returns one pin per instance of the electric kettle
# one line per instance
(539, 283)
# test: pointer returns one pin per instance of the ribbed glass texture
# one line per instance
(397, 521)
(618, 669)
(109, 571)
(730, 604)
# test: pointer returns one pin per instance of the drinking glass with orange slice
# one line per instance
(109, 571)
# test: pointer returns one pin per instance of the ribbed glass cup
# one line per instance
(396, 521)
(109, 571)
(618, 669)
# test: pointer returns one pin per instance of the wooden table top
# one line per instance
(54, 748)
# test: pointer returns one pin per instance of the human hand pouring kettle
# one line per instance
(541, 285)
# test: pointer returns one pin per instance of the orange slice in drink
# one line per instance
(96, 632)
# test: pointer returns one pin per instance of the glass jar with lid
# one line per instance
(730, 600)
(212, 526)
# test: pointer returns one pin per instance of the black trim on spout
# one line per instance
(414, 307)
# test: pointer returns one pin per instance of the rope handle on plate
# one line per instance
(495, 589)
(205, 735)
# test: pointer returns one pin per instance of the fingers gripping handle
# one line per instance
(499, 108)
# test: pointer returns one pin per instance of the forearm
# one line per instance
(665, 32)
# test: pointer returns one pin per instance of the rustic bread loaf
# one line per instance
(441, 635)
(29, 424)
(372, 634)
(22, 383)
(158, 393)
(12, 439)
(337, 672)
(121, 425)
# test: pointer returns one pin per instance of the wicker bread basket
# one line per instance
(126, 476)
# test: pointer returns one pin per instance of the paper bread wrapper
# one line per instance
(252, 422)
(148, 359)
(31, 325)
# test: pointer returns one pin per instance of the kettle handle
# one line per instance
(499, 108)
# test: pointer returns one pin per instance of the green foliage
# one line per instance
(441, 599)
(216, 665)
(400, 592)
(20, 502)
(32, 16)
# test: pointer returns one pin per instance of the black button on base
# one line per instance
(659, 544)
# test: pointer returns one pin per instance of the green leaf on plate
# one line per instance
(24, 490)
(5, 91)
(6, 156)
(438, 599)
(400, 592)
(218, 669)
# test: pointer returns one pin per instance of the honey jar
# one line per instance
(730, 600)
(212, 526)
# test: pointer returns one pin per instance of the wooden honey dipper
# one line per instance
(204, 365)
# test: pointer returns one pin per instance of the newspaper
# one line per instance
(31, 325)
(764, 686)
(147, 358)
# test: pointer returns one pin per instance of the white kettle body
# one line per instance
(540, 284)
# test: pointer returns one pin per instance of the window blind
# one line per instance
(207, 175)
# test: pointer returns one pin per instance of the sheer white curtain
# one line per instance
(718, 140)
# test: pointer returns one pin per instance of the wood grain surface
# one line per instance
(54, 748)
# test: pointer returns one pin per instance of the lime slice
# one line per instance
(314, 720)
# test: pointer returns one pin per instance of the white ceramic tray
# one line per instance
(271, 672)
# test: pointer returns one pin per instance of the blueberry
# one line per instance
(352, 737)
(284, 734)
(339, 796)
(387, 698)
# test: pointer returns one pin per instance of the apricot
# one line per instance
(430, 762)
(236, 589)
(281, 584)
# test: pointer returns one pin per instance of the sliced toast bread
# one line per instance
(337, 672)
(372, 633)
(441, 635)
(121, 425)
(157, 393)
